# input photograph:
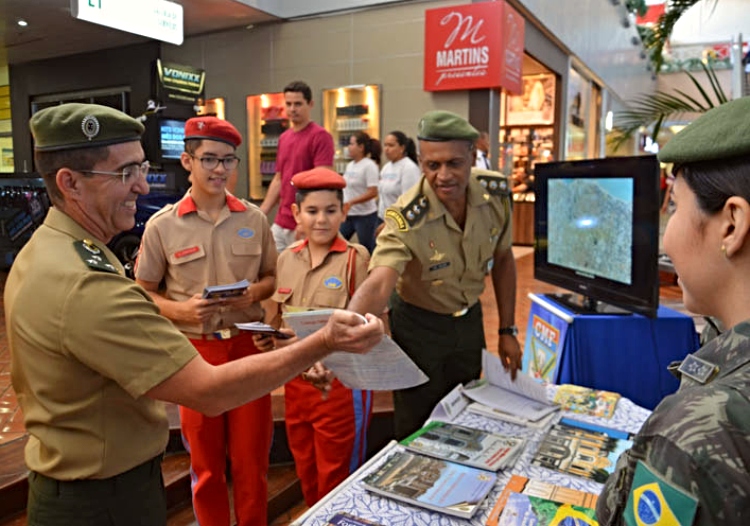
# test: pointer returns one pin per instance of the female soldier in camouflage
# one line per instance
(690, 463)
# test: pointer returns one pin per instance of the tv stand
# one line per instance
(584, 305)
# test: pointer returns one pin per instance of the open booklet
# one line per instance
(384, 368)
(524, 398)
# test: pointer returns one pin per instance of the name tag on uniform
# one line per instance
(440, 265)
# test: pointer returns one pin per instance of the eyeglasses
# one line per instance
(210, 163)
(130, 172)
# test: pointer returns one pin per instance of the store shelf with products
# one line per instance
(266, 121)
(524, 146)
(346, 111)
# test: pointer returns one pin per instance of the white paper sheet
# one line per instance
(524, 397)
(384, 368)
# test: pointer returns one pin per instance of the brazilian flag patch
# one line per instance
(654, 501)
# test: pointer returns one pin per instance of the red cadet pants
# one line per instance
(243, 435)
(326, 437)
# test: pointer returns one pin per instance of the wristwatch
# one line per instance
(512, 330)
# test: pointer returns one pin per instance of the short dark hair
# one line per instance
(192, 145)
(298, 86)
(713, 182)
(302, 193)
(48, 163)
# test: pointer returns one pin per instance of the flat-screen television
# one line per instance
(171, 138)
(596, 228)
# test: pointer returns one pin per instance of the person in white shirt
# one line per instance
(482, 146)
(361, 191)
(400, 173)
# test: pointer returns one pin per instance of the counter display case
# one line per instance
(266, 121)
(347, 110)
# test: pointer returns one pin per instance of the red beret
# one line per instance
(320, 179)
(213, 129)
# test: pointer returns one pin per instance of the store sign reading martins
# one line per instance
(157, 19)
(473, 46)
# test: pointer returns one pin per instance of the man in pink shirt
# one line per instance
(304, 146)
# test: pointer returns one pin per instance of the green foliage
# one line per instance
(657, 38)
(653, 110)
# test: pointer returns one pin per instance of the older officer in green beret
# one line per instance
(440, 240)
(690, 462)
(90, 354)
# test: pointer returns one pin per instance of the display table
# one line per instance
(626, 354)
(350, 496)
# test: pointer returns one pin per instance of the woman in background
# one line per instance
(690, 462)
(400, 173)
(361, 192)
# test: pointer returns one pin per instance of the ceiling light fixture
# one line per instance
(23, 23)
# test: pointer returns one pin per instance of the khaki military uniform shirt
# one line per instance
(326, 286)
(442, 267)
(183, 246)
(86, 343)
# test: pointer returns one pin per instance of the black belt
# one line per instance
(457, 314)
(108, 486)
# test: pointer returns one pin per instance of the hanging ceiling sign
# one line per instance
(157, 19)
(473, 46)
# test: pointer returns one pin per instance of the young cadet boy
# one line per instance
(210, 237)
(326, 436)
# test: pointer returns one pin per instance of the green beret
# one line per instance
(72, 126)
(442, 125)
(720, 133)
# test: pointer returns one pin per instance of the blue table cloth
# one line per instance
(626, 354)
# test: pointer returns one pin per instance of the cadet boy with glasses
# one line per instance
(211, 237)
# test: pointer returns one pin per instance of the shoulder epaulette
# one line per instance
(410, 213)
(93, 256)
(163, 210)
(495, 185)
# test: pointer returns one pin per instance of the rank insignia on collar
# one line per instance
(494, 185)
(698, 369)
(94, 257)
(90, 246)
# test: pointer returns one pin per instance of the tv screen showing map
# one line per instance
(591, 226)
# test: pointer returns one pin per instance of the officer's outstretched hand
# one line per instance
(346, 331)
(510, 353)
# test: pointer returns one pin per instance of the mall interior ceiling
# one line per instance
(48, 29)
(51, 31)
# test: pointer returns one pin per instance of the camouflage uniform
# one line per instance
(698, 439)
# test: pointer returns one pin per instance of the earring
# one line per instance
(724, 250)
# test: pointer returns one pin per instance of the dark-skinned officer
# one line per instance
(441, 238)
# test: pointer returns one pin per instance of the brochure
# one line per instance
(465, 445)
(347, 519)
(262, 328)
(583, 400)
(384, 368)
(441, 486)
(523, 397)
(522, 510)
(545, 490)
(583, 452)
(491, 412)
(226, 291)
